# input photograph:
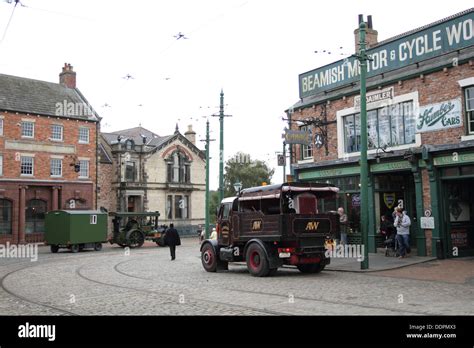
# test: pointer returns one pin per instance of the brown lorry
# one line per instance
(274, 225)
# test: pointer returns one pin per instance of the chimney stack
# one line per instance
(190, 134)
(370, 34)
(67, 77)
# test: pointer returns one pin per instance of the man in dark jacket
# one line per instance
(172, 240)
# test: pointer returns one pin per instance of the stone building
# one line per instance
(48, 135)
(155, 173)
(420, 102)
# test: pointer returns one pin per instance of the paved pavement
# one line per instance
(146, 282)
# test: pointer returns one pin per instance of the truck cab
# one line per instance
(269, 226)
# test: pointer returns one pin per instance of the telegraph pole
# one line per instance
(364, 166)
(207, 180)
(221, 146)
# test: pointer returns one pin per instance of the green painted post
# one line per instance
(420, 238)
(364, 167)
(207, 181)
(435, 211)
(372, 222)
(221, 148)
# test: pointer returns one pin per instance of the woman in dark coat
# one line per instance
(172, 240)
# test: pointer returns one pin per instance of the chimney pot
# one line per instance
(67, 77)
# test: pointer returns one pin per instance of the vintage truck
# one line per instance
(274, 225)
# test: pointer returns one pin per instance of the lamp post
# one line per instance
(238, 187)
(364, 166)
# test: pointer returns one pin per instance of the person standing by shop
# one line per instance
(402, 223)
(343, 222)
(172, 240)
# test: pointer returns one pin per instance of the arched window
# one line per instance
(5, 216)
(35, 215)
(179, 168)
(129, 144)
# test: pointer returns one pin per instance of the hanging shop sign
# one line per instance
(439, 116)
(434, 41)
(297, 137)
(389, 199)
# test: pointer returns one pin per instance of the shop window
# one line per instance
(450, 171)
(35, 215)
(467, 170)
(392, 125)
(5, 216)
(306, 150)
(469, 97)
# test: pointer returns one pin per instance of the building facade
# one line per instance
(48, 142)
(156, 173)
(420, 125)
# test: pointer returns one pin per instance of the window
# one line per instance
(392, 125)
(57, 132)
(178, 206)
(169, 207)
(306, 151)
(5, 216)
(56, 167)
(130, 172)
(27, 165)
(83, 135)
(1, 126)
(469, 95)
(1, 165)
(178, 168)
(35, 215)
(185, 207)
(83, 169)
(129, 144)
(27, 129)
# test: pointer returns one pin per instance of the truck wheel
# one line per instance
(257, 262)
(209, 258)
(136, 239)
(54, 249)
(310, 268)
(98, 246)
(75, 248)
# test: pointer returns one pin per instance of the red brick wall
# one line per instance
(107, 196)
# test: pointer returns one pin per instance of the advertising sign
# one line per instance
(439, 116)
(297, 137)
(433, 41)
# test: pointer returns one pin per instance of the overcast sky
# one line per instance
(252, 49)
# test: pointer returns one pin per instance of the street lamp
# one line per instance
(238, 187)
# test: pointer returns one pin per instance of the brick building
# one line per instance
(154, 173)
(48, 142)
(420, 103)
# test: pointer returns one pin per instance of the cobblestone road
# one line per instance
(146, 282)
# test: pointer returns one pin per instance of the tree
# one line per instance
(241, 168)
(213, 204)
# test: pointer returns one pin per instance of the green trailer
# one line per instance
(75, 229)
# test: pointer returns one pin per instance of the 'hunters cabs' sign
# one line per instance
(434, 41)
(439, 116)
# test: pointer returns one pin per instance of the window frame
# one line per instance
(9, 214)
(61, 127)
(23, 128)
(469, 113)
(306, 148)
(80, 140)
(1, 126)
(60, 167)
(32, 165)
(81, 163)
(1, 164)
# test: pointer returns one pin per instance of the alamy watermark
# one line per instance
(22, 251)
(346, 251)
(67, 108)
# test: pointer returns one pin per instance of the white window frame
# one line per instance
(396, 100)
(1, 126)
(23, 123)
(1, 165)
(307, 148)
(470, 131)
(32, 165)
(53, 133)
(84, 171)
(82, 141)
(60, 167)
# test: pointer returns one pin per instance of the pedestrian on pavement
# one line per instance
(172, 240)
(343, 223)
(402, 223)
(213, 234)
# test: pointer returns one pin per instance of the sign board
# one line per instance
(356, 200)
(428, 212)
(459, 237)
(297, 137)
(427, 222)
(281, 160)
(377, 96)
(439, 116)
(318, 140)
(433, 41)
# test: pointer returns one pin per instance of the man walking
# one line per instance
(343, 224)
(172, 240)
(402, 223)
